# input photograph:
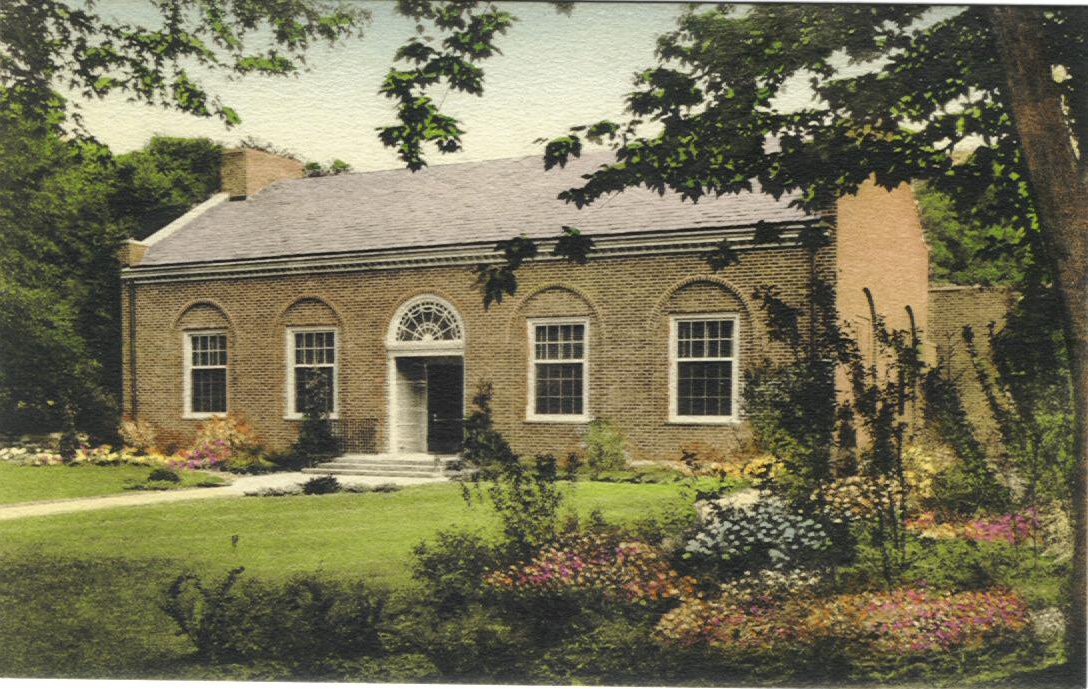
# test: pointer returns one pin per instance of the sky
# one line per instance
(555, 71)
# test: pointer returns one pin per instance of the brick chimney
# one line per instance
(245, 171)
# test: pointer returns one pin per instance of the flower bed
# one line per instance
(29, 455)
(1007, 528)
(105, 455)
(617, 570)
(877, 628)
(210, 454)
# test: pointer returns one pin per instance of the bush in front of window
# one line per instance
(138, 434)
(604, 447)
(227, 443)
(232, 429)
(315, 437)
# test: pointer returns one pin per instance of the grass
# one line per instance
(79, 593)
(367, 535)
(29, 483)
(74, 618)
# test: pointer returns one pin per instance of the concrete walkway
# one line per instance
(240, 485)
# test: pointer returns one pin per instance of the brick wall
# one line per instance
(628, 302)
(881, 248)
(950, 309)
(882, 266)
(245, 171)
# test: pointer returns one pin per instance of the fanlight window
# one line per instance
(429, 321)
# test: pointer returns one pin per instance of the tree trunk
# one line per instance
(1061, 201)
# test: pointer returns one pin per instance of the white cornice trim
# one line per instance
(643, 244)
(184, 220)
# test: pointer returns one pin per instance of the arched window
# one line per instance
(426, 322)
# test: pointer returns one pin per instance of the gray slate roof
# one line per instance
(443, 205)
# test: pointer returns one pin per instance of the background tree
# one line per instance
(57, 286)
(66, 203)
(160, 182)
(963, 251)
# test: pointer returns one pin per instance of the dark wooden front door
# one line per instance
(445, 407)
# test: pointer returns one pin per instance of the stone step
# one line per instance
(339, 471)
(380, 469)
(391, 463)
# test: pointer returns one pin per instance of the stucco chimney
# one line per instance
(245, 171)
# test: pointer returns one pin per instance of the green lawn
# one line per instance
(29, 483)
(80, 592)
(369, 534)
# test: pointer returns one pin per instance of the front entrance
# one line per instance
(429, 404)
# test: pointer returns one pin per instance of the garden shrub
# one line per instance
(968, 485)
(604, 445)
(888, 628)
(859, 499)
(485, 451)
(138, 434)
(69, 438)
(479, 644)
(306, 622)
(958, 564)
(697, 458)
(768, 585)
(766, 534)
(273, 492)
(615, 649)
(223, 442)
(232, 429)
(1017, 527)
(452, 568)
(315, 441)
(321, 485)
(526, 498)
(963, 490)
(287, 460)
(164, 474)
(1056, 529)
(248, 462)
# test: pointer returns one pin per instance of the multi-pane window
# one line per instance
(206, 377)
(704, 367)
(558, 368)
(313, 370)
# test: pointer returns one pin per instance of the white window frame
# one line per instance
(292, 414)
(187, 374)
(674, 370)
(530, 405)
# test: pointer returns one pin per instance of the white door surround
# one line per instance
(425, 330)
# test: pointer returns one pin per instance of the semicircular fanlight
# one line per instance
(429, 321)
